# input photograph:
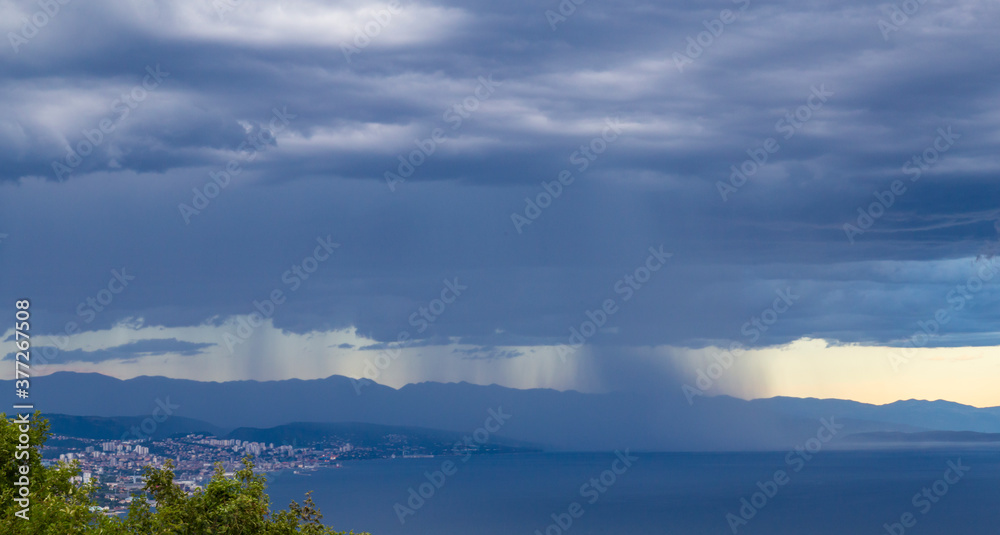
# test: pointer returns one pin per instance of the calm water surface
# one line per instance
(833, 493)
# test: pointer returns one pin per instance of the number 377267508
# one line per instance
(22, 341)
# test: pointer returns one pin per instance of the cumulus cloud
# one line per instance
(129, 352)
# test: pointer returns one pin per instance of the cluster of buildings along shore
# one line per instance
(117, 466)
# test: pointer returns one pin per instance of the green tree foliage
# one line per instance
(236, 506)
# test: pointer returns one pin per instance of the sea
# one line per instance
(941, 491)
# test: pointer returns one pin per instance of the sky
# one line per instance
(749, 198)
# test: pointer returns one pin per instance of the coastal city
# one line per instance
(116, 467)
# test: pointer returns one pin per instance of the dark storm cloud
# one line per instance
(551, 93)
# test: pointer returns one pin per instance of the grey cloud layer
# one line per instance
(658, 184)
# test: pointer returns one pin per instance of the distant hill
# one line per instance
(365, 435)
(296, 433)
(354, 432)
(113, 428)
(652, 421)
(949, 437)
(937, 415)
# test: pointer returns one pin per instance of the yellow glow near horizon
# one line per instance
(876, 374)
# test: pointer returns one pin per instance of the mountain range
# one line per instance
(556, 420)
